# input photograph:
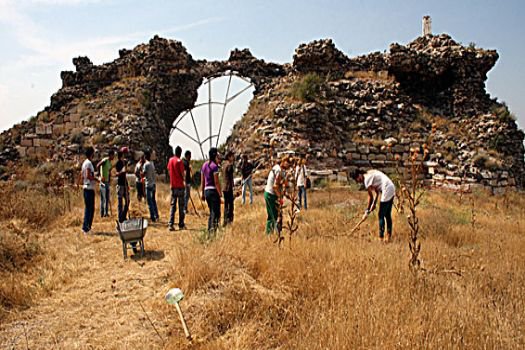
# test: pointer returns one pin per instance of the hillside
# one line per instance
(343, 112)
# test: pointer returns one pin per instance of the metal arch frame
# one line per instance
(210, 103)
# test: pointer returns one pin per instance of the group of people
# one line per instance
(380, 188)
(180, 176)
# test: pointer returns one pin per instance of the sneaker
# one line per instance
(171, 228)
(380, 239)
(85, 233)
(183, 227)
(388, 238)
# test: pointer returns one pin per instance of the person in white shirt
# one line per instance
(300, 176)
(378, 182)
(273, 194)
(88, 184)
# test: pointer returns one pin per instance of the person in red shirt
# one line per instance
(178, 188)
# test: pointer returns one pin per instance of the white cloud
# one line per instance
(42, 51)
(3, 95)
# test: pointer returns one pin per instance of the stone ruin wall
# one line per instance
(370, 110)
(131, 101)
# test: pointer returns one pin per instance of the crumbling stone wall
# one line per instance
(368, 111)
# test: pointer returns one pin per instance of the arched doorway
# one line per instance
(222, 100)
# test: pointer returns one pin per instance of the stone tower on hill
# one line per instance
(344, 112)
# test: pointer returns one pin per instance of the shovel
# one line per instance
(173, 297)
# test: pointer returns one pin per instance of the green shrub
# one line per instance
(502, 112)
(307, 88)
(485, 161)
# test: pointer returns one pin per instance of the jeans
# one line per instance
(152, 202)
(140, 190)
(247, 183)
(177, 195)
(301, 194)
(187, 195)
(228, 207)
(214, 203)
(89, 209)
(104, 199)
(385, 213)
(123, 202)
(273, 212)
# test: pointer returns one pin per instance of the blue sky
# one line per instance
(38, 38)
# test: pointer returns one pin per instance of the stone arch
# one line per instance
(209, 118)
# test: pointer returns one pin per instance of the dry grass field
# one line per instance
(324, 289)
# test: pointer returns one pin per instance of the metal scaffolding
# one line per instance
(227, 99)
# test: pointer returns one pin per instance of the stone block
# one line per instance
(31, 151)
(36, 142)
(361, 163)
(46, 143)
(42, 151)
(398, 149)
(22, 151)
(364, 149)
(69, 126)
(49, 129)
(381, 157)
(40, 130)
(26, 142)
(58, 129)
(75, 118)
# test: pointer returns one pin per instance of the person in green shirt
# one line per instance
(105, 178)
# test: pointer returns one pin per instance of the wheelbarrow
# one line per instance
(131, 232)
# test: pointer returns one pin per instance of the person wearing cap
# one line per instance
(378, 183)
(105, 180)
(176, 171)
(273, 193)
(122, 184)
(227, 191)
(88, 184)
(211, 188)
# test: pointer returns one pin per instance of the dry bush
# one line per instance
(34, 205)
(331, 291)
(19, 250)
(328, 290)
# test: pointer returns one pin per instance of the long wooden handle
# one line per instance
(358, 224)
(183, 321)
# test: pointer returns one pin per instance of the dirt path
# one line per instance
(107, 300)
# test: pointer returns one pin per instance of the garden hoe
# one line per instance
(173, 297)
(363, 219)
